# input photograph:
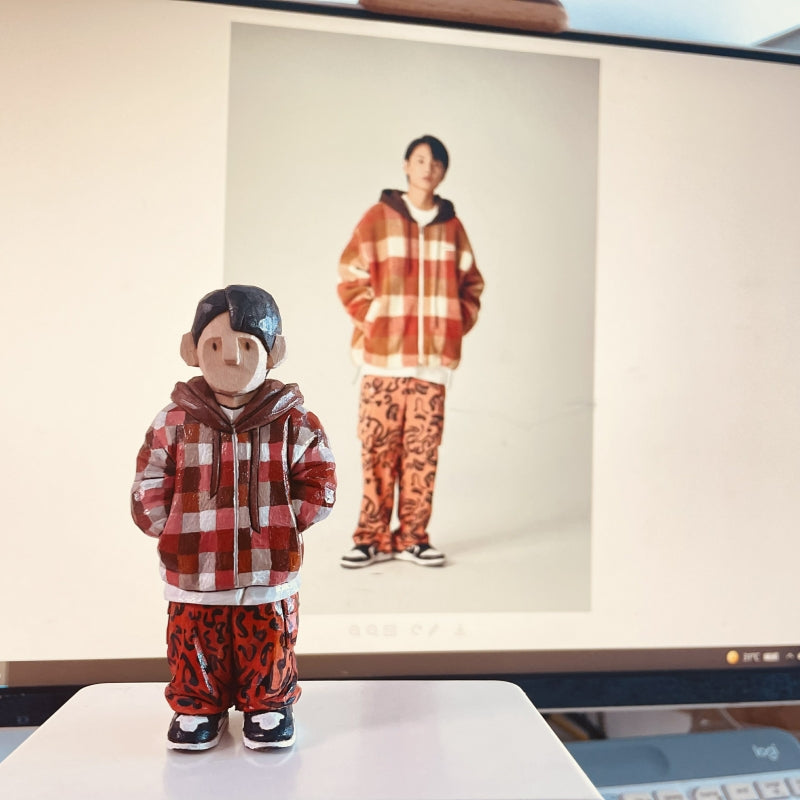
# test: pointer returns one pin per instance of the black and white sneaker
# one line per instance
(422, 554)
(196, 731)
(264, 729)
(362, 555)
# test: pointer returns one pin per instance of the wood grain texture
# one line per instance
(544, 16)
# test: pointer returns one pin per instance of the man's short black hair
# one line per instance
(438, 150)
(252, 310)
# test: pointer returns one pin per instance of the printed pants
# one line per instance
(221, 656)
(400, 424)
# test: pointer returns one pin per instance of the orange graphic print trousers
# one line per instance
(400, 425)
(221, 656)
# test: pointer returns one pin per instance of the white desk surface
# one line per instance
(359, 740)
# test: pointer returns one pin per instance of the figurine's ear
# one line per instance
(188, 350)
(277, 354)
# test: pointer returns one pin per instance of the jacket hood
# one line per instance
(272, 401)
(394, 199)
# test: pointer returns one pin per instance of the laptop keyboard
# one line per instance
(763, 786)
(746, 764)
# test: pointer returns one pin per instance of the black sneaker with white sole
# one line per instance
(362, 555)
(196, 731)
(263, 729)
(422, 554)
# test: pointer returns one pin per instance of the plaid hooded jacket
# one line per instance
(229, 501)
(410, 305)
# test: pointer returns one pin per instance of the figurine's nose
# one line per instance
(230, 350)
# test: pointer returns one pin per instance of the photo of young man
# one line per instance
(409, 281)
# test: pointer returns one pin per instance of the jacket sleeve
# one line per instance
(313, 473)
(154, 484)
(355, 286)
(470, 286)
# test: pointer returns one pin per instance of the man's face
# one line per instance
(424, 172)
(233, 363)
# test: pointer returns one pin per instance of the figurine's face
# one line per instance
(233, 363)
(424, 172)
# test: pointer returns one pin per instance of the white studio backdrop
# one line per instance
(313, 138)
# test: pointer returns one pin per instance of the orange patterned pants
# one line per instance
(221, 656)
(400, 424)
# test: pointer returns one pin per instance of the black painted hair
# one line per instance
(438, 150)
(252, 310)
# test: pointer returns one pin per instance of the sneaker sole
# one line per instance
(376, 559)
(253, 745)
(422, 562)
(201, 745)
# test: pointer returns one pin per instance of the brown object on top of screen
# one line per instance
(544, 16)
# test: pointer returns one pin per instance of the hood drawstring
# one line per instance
(409, 260)
(255, 453)
(216, 447)
(272, 400)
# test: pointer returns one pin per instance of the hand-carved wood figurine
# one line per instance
(231, 474)
(408, 280)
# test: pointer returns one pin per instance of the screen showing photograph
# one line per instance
(541, 292)
(314, 141)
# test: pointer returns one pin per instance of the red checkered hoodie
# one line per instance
(409, 308)
(229, 501)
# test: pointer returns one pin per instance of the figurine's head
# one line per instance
(426, 163)
(235, 340)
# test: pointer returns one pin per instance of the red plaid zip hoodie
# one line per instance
(409, 308)
(229, 501)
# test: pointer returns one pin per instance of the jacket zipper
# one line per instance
(235, 445)
(421, 299)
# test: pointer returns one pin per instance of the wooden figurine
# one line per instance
(408, 280)
(231, 474)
